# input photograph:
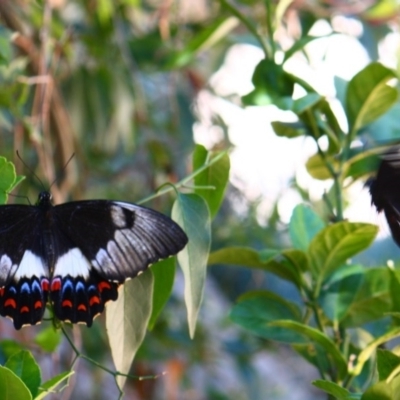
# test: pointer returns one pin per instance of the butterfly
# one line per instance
(75, 255)
(385, 190)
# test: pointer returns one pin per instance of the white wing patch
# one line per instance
(6, 267)
(72, 263)
(30, 265)
(118, 216)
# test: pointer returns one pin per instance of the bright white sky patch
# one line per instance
(262, 163)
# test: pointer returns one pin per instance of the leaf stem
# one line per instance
(168, 187)
(248, 24)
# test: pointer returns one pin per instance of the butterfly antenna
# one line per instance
(29, 168)
(64, 168)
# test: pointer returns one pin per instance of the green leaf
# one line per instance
(287, 264)
(306, 102)
(335, 244)
(288, 129)
(12, 387)
(50, 385)
(25, 367)
(368, 95)
(304, 225)
(6, 50)
(7, 178)
(316, 166)
(256, 310)
(317, 336)
(383, 391)
(48, 339)
(164, 274)
(335, 390)
(190, 211)
(386, 363)
(370, 349)
(216, 175)
(272, 84)
(127, 320)
(355, 295)
(363, 163)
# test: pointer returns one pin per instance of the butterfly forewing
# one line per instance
(75, 255)
(118, 239)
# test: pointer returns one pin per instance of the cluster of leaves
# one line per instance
(332, 328)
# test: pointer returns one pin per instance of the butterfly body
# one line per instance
(75, 255)
(385, 190)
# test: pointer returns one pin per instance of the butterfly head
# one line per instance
(44, 199)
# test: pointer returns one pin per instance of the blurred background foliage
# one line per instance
(117, 84)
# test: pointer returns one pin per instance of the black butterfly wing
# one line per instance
(385, 190)
(108, 242)
(23, 270)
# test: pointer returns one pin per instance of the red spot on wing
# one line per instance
(2, 291)
(94, 300)
(38, 304)
(103, 285)
(45, 285)
(82, 307)
(10, 303)
(66, 303)
(24, 309)
(55, 284)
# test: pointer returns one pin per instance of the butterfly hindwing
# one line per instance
(80, 300)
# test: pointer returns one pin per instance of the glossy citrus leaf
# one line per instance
(127, 319)
(191, 212)
(335, 244)
(369, 96)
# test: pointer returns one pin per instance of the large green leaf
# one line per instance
(369, 96)
(386, 363)
(287, 265)
(355, 295)
(316, 336)
(338, 392)
(216, 176)
(164, 274)
(335, 244)
(12, 387)
(192, 214)
(127, 320)
(256, 310)
(383, 390)
(25, 367)
(304, 225)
